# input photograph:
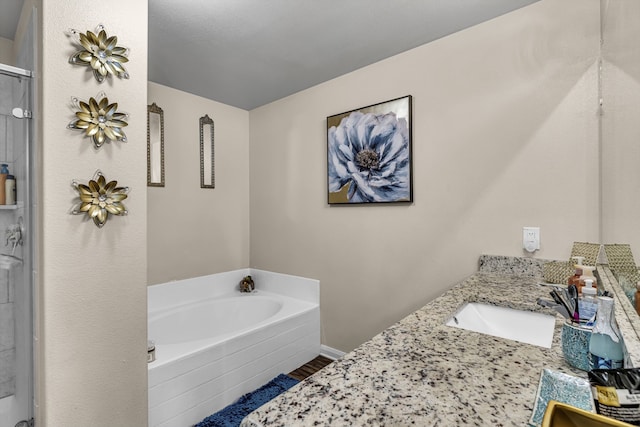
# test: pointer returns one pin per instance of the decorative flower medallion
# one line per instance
(100, 52)
(99, 119)
(100, 198)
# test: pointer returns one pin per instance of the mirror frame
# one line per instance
(207, 121)
(154, 109)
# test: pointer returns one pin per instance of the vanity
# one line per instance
(420, 371)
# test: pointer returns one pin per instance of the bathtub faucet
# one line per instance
(247, 285)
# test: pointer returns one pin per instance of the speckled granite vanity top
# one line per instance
(422, 372)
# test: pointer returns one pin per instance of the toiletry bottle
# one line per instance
(637, 298)
(587, 273)
(573, 280)
(588, 303)
(10, 190)
(4, 171)
(605, 345)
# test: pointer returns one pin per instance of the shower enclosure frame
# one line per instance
(18, 409)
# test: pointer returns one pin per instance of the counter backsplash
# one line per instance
(528, 267)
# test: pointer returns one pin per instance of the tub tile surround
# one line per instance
(422, 372)
(285, 284)
(207, 380)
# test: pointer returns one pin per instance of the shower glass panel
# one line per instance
(16, 318)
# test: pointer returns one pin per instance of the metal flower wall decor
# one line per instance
(99, 119)
(100, 198)
(100, 52)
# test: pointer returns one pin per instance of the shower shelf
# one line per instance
(8, 207)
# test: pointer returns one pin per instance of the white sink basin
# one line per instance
(517, 325)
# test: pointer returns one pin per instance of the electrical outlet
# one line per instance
(531, 239)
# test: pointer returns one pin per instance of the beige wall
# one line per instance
(500, 112)
(620, 126)
(505, 135)
(91, 342)
(194, 231)
(6, 51)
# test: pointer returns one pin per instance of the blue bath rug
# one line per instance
(232, 415)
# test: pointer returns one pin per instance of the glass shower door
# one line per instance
(16, 314)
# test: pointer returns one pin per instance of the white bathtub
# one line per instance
(214, 344)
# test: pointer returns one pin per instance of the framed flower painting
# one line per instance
(369, 154)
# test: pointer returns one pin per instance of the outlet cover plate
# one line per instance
(531, 238)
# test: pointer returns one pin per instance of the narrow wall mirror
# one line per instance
(207, 170)
(155, 146)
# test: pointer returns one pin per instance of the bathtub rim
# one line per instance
(175, 292)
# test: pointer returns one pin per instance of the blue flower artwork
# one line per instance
(369, 154)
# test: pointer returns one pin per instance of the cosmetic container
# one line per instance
(10, 190)
(575, 344)
(588, 303)
(605, 344)
(4, 172)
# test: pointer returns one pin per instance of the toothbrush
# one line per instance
(559, 300)
(573, 293)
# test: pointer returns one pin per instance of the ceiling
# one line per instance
(248, 53)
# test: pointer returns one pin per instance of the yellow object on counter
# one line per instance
(563, 415)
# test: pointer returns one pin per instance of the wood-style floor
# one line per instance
(310, 368)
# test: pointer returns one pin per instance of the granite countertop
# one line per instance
(421, 372)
